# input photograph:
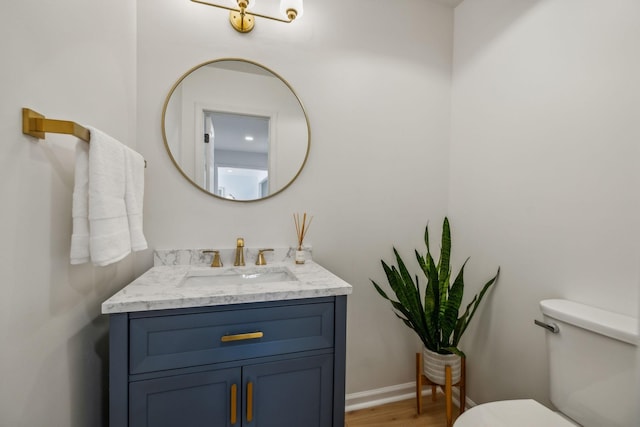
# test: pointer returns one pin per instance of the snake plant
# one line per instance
(434, 316)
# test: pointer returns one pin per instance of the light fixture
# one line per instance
(248, 138)
(243, 21)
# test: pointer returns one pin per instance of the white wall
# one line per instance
(74, 60)
(377, 92)
(544, 172)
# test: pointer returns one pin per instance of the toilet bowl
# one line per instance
(586, 391)
(512, 413)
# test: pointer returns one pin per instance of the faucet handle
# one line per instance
(261, 260)
(215, 262)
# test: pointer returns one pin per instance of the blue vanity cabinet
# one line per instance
(265, 364)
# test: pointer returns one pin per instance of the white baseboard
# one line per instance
(394, 393)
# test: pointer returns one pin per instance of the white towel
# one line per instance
(108, 194)
(109, 239)
(80, 207)
(134, 195)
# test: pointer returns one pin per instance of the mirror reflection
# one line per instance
(236, 130)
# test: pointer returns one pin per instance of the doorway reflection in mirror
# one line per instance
(236, 154)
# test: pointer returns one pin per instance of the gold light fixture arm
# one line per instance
(242, 20)
(273, 18)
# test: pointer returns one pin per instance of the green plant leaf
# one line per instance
(421, 262)
(410, 288)
(435, 297)
(401, 289)
(399, 307)
(405, 290)
(476, 302)
(380, 291)
(462, 320)
(445, 253)
(426, 237)
(452, 306)
(443, 268)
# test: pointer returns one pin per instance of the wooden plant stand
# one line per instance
(421, 380)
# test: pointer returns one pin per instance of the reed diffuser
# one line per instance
(302, 226)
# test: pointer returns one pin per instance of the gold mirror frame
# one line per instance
(184, 174)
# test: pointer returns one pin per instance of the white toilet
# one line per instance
(593, 373)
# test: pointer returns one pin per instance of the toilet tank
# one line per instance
(592, 364)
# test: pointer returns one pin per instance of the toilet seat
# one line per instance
(510, 413)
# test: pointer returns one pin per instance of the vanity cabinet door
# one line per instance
(190, 400)
(288, 393)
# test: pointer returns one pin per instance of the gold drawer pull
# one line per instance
(249, 401)
(234, 404)
(241, 337)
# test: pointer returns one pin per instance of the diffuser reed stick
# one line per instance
(301, 227)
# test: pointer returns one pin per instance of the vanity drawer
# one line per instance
(183, 340)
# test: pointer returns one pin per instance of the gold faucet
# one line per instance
(261, 260)
(215, 261)
(239, 252)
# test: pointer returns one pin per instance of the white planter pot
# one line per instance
(434, 363)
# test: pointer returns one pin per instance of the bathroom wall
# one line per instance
(68, 59)
(544, 172)
(377, 91)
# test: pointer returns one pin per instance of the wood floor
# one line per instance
(402, 414)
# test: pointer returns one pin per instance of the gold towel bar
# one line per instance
(36, 125)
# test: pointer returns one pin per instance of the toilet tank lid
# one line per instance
(614, 325)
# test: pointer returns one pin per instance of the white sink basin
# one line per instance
(252, 276)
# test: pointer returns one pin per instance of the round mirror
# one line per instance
(236, 130)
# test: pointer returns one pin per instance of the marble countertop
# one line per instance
(163, 287)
